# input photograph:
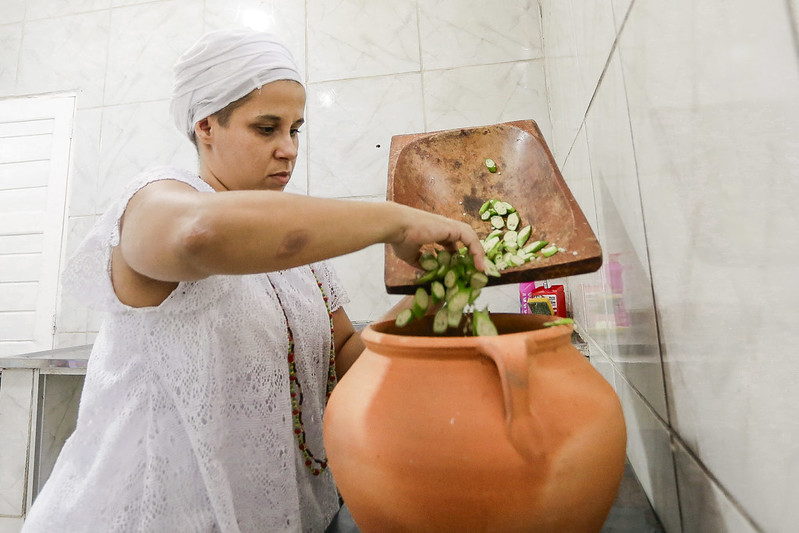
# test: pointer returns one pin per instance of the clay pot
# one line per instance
(516, 432)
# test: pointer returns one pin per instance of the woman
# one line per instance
(225, 331)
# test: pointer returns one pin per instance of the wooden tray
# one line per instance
(444, 172)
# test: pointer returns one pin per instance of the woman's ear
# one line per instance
(202, 131)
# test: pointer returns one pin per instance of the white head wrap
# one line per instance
(222, 67)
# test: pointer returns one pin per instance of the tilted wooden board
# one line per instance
(444, 172)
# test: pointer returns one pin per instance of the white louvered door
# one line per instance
(35, 138)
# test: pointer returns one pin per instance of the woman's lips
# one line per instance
(282, 177)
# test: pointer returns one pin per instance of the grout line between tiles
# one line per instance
(421, 64)
(674, 437)
(677, 440)
(793, 20)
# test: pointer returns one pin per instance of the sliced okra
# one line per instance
(549, 251)
(485, 206)
(437, 291)
(459, 300)
(513, 221)
(489, 243)
(441, 321)
(478, 280)
(491, 269)
(559, 322)
(495, 233)
(421, 300)
(454, 317)
(515, 260)
(427, 277)
(500, 207)
(523, 235)
(482, 325)
(403, 318)
(450, 278)
(491, 165)
(535, 247)
(443, 257)
(497, 221)
(474, 295)
(428, 261)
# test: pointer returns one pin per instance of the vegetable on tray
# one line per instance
(452, 281)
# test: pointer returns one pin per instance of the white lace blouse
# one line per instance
(185, 421)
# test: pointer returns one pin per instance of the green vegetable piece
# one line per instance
(478, 280)
(510, 239)
(513, 221)
(495, 250)
(535, 247)
(442, 271)
(500, 207)
(459, 300)
(515, 260)
(427, 277)
(491, 269)
(482, 325)
(437, 291)
(421, 301)
(485, 206)
(492, 167)
(559, 322)
(489, 243)
(549, 251)
(443, 257)
(473, 296)
(428, 261)
(495, 233)
(486, 215)
(441, 321)
(450, 278)
(497, 222)
(509, 208)
(523, 235)
(454, 317)
(403, 318)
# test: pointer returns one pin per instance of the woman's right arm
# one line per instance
(171, 232)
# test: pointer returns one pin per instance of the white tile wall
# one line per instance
(47, 60)
(359, 38)
(351, 123)
(711, 142)
(694, 109)
(492, 32)
(374, 69)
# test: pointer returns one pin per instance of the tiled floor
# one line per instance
(631, 513)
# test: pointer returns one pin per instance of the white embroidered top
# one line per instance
(185, 421)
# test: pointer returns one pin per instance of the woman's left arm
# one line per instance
(348, 341)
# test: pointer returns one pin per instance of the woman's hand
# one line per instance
(422, 227)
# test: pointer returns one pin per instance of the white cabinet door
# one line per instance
(35, 138)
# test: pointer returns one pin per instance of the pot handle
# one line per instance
(510, 357)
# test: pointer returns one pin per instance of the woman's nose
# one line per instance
(287, 147)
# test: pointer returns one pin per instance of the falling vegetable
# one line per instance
(452, 281)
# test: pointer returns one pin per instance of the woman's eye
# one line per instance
(267, 130)
(295, 132)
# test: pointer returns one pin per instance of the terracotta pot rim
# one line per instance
(543, 335)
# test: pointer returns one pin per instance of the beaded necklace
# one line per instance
(316, 466)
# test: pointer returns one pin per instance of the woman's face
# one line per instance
(257, 148)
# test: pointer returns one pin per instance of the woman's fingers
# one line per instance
(428, 228)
